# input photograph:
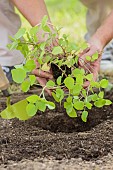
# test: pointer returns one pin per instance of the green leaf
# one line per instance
(100, 103)
(34, 30)
(19, 110)
(77, 71)
(88, 105)
(7, 113)
(57, 50)
(68, 107)
(55, 97)
(94, 57)
(104, 83)
(76, 90)
(84, 46)
(95, 84)
(33, 99)
(88, 58)
(94, 97)
(47, 59)
(79, 105)
(50, 105)
(18, 75)
(50, 84)
(101, 94)
(30, 65)
(46, 28)
(59, 94)
(84, 116)
(108, 102)
(25, 86)
(69, 82)
(32, 79)
(72, 114)
(89, 77)
(41, 105)
(31, 109)
(69, 99)
(20, 33)
(13, 46)
(45, 67)
(59, 79)
(44, 21)
(79, 79)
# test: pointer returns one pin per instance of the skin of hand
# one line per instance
(94, 46)
(97, 42)
(34, 11)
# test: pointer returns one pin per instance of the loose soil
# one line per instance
(54, 137)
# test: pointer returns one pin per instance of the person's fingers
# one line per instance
(82, 58)
(42, 82)
(43, 74)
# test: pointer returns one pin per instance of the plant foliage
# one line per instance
(67, 86)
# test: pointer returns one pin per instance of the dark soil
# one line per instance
(54, 134)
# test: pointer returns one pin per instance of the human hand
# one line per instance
(42, 76)
(94, 45)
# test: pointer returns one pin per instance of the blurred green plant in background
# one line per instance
(68, 14)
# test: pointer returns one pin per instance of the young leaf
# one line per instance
(100, 103)
(18, 75)
(59, 94)
(88, 58)
(33, 98)
(55, 97)
(94, 57)
(68, 107)
(69, 99)
(88, 105)
(50, 105)
(50, 84)
(31, 109)
(84, 116)
(45, 67)
(30, 65)
(69, 82)
(44, 21)
(41, 105)
(34, 30)
(79, 105)
(25, 86)
(101, 94)
(59, 79)
(94, 97)
(89, 77)
(104, 83)
(108, 102)
(32, 79)
(72, 114)
(79, 79)
(57, 50)
(20, 33)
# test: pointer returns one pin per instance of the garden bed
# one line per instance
(53, 135)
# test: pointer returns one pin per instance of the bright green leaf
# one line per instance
(25, 86)
(84, 116)
(57, 50)
(69, 82)
(18, 75)
(33, 99)
(20, 33)
(104, 83)
(31, 109)
(79, 105)
(32, 79)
